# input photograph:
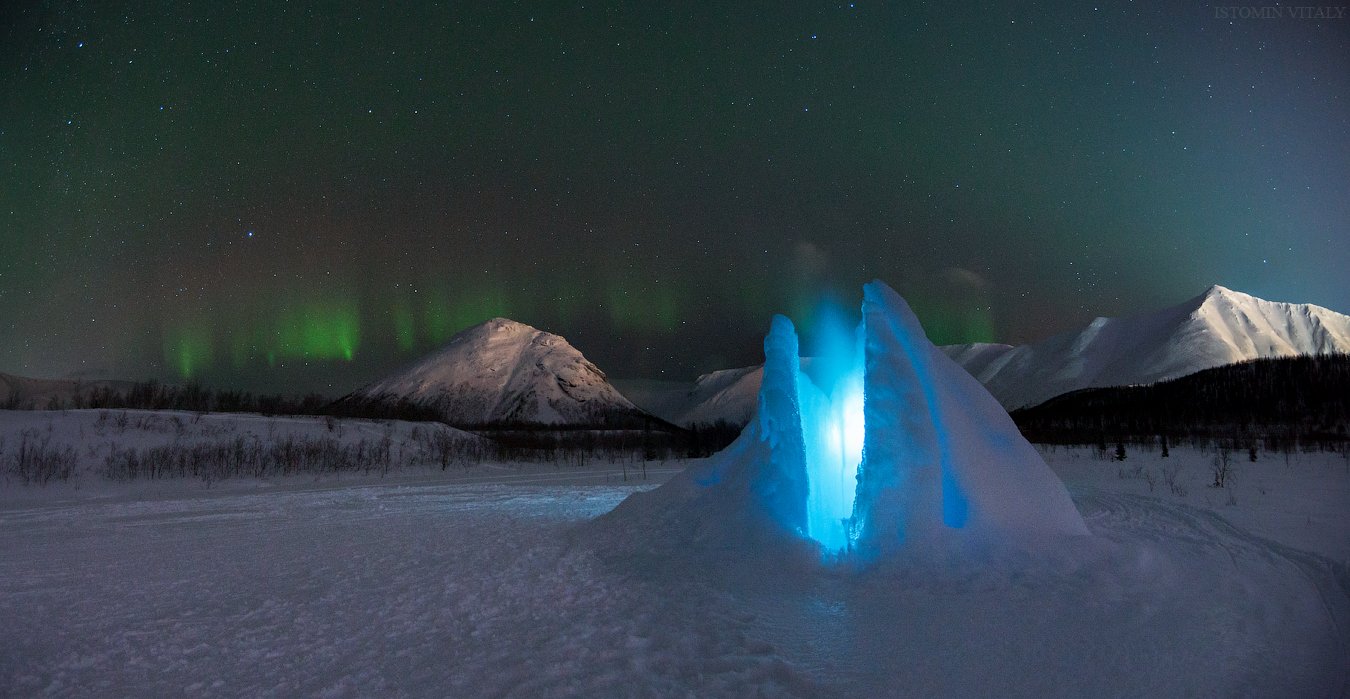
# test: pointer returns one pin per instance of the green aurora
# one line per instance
(288, 197)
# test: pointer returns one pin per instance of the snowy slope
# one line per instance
(23, 393)
(501, 372)
(728, 394)
(975, 357)
(1218, 327)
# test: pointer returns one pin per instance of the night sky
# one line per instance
(291, 197)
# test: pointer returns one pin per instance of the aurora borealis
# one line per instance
(291, 197)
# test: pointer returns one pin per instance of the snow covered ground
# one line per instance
(1302, 501)
(486, 581)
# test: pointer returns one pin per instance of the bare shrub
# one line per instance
(1170, 474)
(254, 458)
(37, 462)
(1222, 468)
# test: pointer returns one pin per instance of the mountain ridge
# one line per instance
(1216, 328)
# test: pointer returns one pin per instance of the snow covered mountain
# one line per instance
(1218, 327)
(505, 372)
(726, 395)
(976, 357)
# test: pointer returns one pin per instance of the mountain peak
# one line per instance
(495, 326)
(507, 323)
(502, 371)
(1218, 294)
(1217, 291)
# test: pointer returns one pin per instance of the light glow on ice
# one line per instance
(832, 432)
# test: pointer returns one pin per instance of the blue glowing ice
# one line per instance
(884, 447)
(832, 429)
(902, 447)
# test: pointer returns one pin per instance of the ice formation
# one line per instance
(941, 455)
(897, 449)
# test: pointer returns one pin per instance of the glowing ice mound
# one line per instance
(904, 451)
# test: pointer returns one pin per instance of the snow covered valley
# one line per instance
(488, 581)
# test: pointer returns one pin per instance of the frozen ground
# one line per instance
(485, 582)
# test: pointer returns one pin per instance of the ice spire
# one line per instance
(941, 458)
(782, 488)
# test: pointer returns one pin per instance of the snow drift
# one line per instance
(904, 451)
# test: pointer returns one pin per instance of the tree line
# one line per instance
(1279, 402)
(606, 434)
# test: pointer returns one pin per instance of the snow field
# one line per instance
(444, 591)
(497, 589)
